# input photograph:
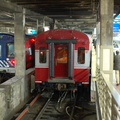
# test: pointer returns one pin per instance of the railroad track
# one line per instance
(47, 110)
(52, 109)
(55, 106)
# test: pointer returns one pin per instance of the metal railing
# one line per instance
(108, 102)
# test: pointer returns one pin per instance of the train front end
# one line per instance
(62, 59)
(7, 60)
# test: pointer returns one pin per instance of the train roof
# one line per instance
(9, 34)
(6, 37)
(62, 34)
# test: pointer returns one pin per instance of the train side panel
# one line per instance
(82, 66)
(41, 64)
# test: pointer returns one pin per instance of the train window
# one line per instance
(42, 54)
(0, 50)
(29, 51)
(10, 50)
(62, 55)
(81, 55)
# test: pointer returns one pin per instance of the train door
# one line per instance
(61, 60)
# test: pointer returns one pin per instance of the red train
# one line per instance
(62, 60)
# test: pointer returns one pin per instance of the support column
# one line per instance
(40, 26)
(37, 26)
(20, 44)
(106, 37)
(52, 25)
(98, 44)
(106, 21)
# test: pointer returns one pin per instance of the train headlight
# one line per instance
(7, 59)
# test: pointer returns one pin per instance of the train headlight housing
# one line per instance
(12, 61)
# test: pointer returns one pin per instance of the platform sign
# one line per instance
(116, 24)
(31, 31)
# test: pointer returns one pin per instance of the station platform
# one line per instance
(107, 91)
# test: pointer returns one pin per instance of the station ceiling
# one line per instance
(75, 14)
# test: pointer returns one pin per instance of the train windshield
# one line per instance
(81, 55)
(0, 50)
(62, 55)
(10, 50)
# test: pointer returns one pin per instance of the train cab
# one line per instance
(7, 60)
(62, 56)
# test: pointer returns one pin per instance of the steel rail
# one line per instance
(27, 108)
(43, 109)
